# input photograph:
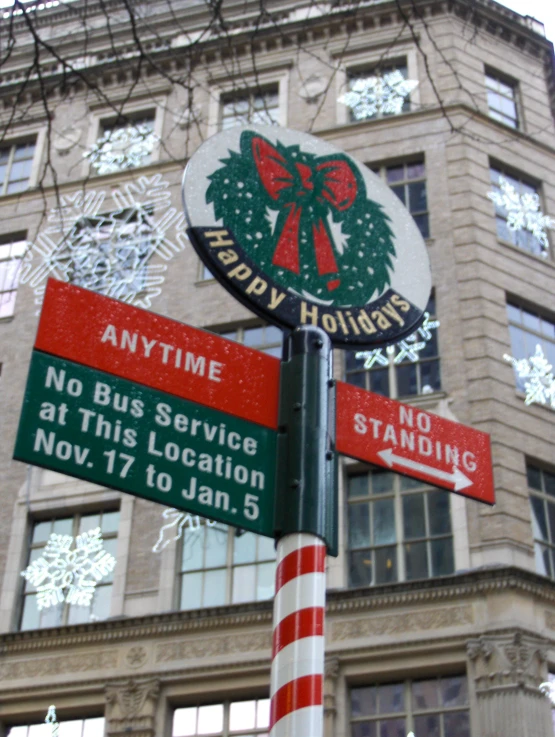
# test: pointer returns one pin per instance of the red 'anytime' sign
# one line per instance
(112, 336)
(415, 443)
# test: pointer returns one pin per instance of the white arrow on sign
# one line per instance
(457, 478)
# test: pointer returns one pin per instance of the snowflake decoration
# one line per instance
(122, 148)
(523, 212)
(108, 244)
(178, 520)
(62, 574)
(407, 349)
(384, 95)
(548, 689)
(52, 719)
(537, 373)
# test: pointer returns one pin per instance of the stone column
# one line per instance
(507, 669)
(131, 707)
(331, 671)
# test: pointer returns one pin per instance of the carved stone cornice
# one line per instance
(508, 660)
(454, 589)
(131, 707)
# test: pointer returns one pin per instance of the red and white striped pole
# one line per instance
(306, 526)
(297, 679)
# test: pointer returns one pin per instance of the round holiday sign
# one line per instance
(302, 233)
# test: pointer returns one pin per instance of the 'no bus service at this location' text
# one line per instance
(89, 424)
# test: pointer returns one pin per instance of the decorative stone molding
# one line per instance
(45, 668)
(131, 707)
(429, 619)
(213, 647)
(136, 656)
(313, 88)
(66, 139)
(508, 669)
(515, 660)
(331, 673)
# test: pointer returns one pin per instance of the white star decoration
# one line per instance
(384, 95)
(537, 372)
(52, 719)
(178, 520)
(108, 244)
(122, 148)
(62, 574)
(408, 349)
(523, 212)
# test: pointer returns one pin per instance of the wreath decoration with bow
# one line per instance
(305, 220)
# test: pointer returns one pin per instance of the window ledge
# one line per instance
(542, 259)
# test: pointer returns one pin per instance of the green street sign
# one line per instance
(89, 424)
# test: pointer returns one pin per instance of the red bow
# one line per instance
(337, 186)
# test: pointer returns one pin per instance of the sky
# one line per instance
(543, 10)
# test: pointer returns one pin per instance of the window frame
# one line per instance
(12, 146)
(522, 240)
(382, 170)
(397, 494)
(355, 59)
(247, 83)
(227, 567)
(409, 713)
(137, 110)
(392, 368)
(9, 241)
(227, 705)
(544, 497)
(495, 76)
(250, 95)
(538, 336)
(27, 590)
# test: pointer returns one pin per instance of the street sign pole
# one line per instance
(305, 515)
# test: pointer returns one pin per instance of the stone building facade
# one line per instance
(440, 611)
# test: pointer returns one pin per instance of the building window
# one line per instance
(395, 373)
(377, 92)
(399, 529)
(123, 145)
(541, 484)
(408, 181)
(511, 224)
(265, 338)
(502, 99)
(71, 728)
(222, 565)
(529, 328)
(435, 707)
(243, 718)
(54, 616)
(11, 253)
(110, 253)
(255, 106)
(16, 162)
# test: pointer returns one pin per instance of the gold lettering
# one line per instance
(381, 320)
(329, 323)
(392, 312)
(312, 314)
(257, 286)
(366, 323)
(342, 322)
(400, 303)
(240, 272)
(276, 298)
(217, 239)
(228, 257)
